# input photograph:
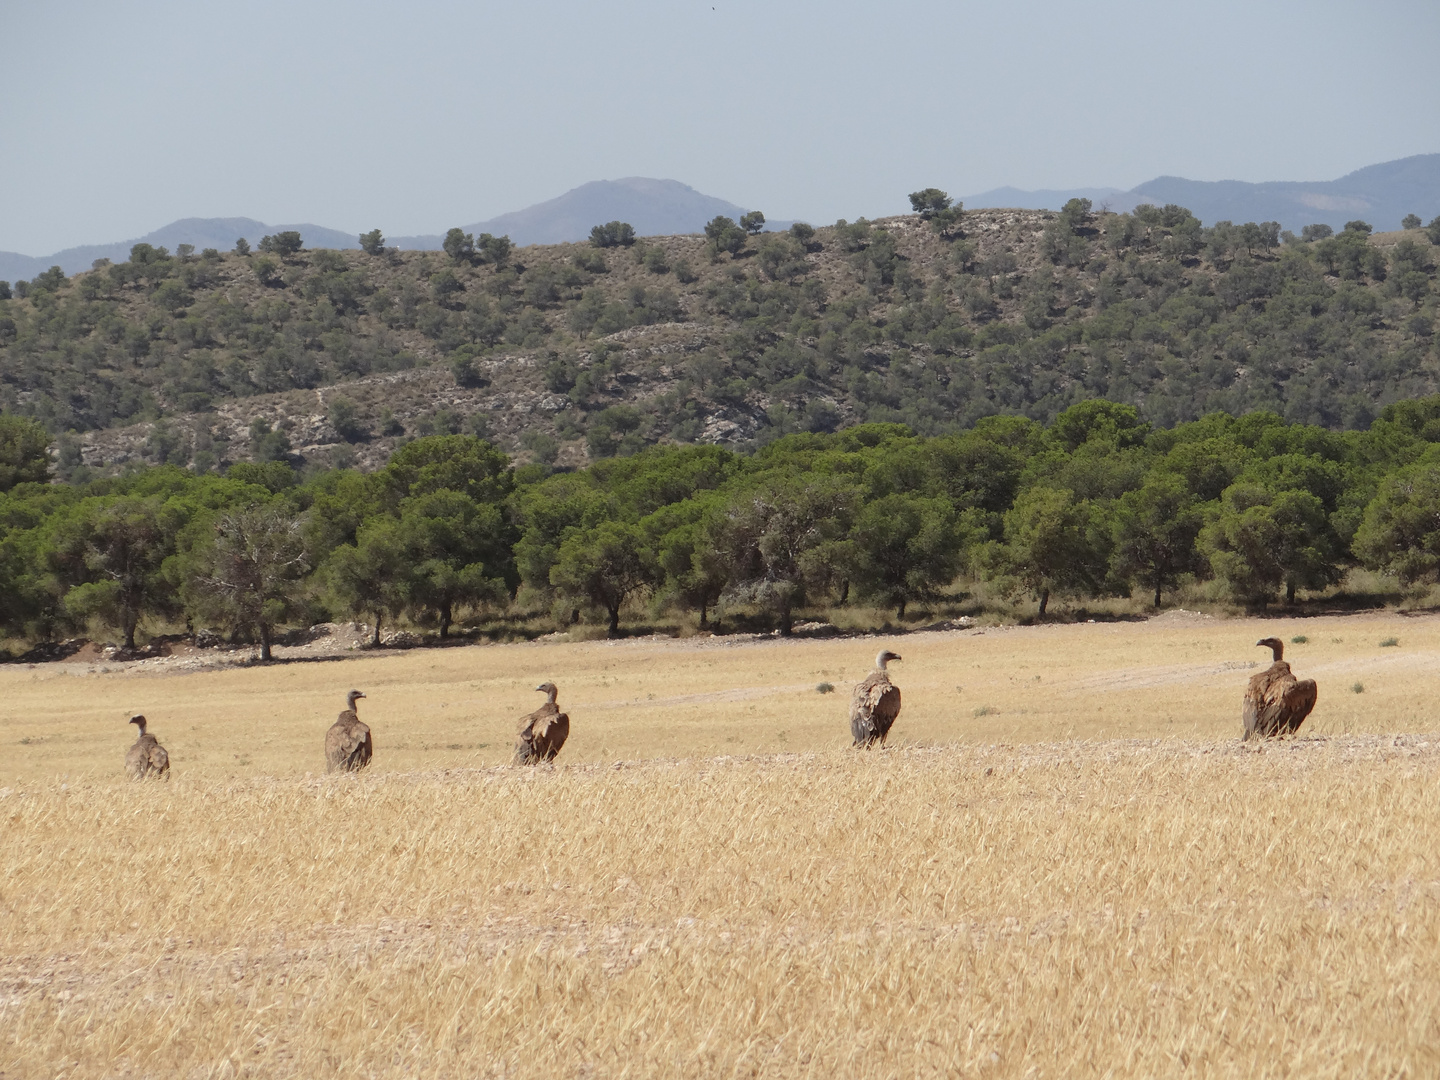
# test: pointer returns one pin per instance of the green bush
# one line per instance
(284, 244)
(612, 234)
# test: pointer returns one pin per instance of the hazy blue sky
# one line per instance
(120, 117)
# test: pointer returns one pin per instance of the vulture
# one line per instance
(147, 757)
(875, 704)
(1276, 703)
(347, 743)
(543, 732)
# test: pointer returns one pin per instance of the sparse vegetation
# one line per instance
(809, 330)
(1389, 643)
(346, 420)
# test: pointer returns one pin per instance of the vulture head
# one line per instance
(139, 721)
(885, 657)
(1275, 645)
(548, 689)
(351, 698)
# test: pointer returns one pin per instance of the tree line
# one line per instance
(1097, 503)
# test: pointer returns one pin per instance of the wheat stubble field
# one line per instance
(1067, 865)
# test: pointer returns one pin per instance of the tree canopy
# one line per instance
(1098, 503)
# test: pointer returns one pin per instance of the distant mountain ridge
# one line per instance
(1102, 198)
(202, 232)
(1379, 194)
(654, 207)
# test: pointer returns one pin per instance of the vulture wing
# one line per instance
(147, 758)
(862, 727)
(556, 732)
(538, 719)
(535, 732)
(1262, 699)
(347, 743)
(1272, 705)
(886, 709)
(873, 708)
(1277, 703)
(1250, 714)
(1296, 702)
(354, 735)
(544, 719)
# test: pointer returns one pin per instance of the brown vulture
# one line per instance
(147, 757)
(543, 732)
(1276, 703)
(875, 704)
(347, 744)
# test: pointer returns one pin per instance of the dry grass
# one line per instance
(1123, 891)
(657, 697)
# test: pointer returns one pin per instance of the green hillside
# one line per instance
(573, 352)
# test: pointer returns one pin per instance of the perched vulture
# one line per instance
(875, 704)
(543, 732)
(1276, 703)
(347, 743)
(147, 757)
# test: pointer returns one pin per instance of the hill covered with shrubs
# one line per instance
(573, 353)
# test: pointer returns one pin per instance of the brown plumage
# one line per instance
(875, 704)
(147, 758)
(347, 744)
(543, 732)
(1276, 703)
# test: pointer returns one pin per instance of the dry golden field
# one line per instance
(1066, 864)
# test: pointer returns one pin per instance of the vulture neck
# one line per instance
(1279, 651)
(141, 725)
(551, 694)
